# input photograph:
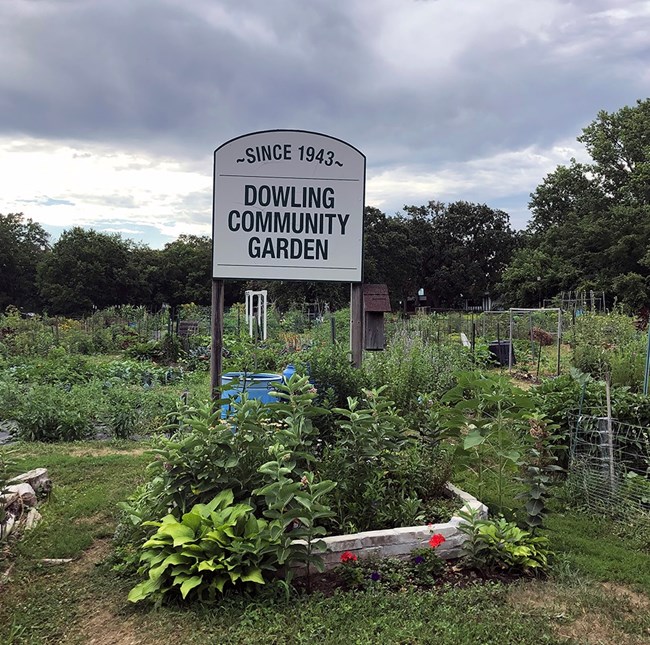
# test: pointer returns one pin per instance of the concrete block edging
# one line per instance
(401, 541)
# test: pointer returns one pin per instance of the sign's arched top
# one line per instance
(288, 205)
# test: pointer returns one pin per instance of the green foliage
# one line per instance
(166, 351)
(54, 413)
(365, 447)
(86, 269)
(11, 397)
(485, 417)
(332, 374)
(410, 365)
(609, 344)
(208, 454)
(590, 227)
(213, 545)
(292, 494)
(65, 397)
(494, 545)
(23, 243)
(539, 470)
(24, 336)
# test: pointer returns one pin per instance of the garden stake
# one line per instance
(647, 366)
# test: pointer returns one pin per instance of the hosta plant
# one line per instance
(212, 546)
(495, 545)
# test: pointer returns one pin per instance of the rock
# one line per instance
(7, 527)
(38, 479)
(23, 494)
(32, 519)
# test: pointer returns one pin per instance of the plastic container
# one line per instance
(501, 352)
(257, 386)
(289, 371)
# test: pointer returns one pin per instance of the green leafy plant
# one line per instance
(55, 413)
(213, 545)
(494, 545)
(293, 496)
(366, 447)
(539, 471)
(485, 416)
(410, 365)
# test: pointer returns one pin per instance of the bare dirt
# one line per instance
(105, 623)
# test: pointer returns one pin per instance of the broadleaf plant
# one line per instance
(213, 545)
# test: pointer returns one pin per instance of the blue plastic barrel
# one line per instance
(256, 386)
(289, 371)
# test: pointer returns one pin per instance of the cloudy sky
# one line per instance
(110, 109)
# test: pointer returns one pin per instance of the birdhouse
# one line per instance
(375, 304)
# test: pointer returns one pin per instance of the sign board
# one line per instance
(188, 328)
(288, 205)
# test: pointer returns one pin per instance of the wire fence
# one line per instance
(609, 466)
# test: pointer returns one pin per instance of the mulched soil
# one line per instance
(453, 575)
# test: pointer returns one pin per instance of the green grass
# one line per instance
(78, 601)
(87, 486)
(599, 549)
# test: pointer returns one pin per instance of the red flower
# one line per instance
(436, 540)
(348, 556)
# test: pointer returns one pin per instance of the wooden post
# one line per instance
(610, 434)
(216, 361)
(559, 340)
(510, 343)
(356, 323)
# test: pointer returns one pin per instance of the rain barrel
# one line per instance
(256, 386)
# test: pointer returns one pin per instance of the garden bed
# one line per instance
(400, 542)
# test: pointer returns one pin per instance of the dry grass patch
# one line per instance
(596, 615)
(104, 452)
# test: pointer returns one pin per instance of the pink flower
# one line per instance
(436, 540)
(348, 556)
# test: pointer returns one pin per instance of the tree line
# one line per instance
(589, 229)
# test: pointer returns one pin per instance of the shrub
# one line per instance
(609, 344)
(409, 366)
(52, 413)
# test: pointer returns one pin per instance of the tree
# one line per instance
(87, 269)
(185, 270)
(392, 254)
(464, 247)
(23, 244)
(591, 222)
(184, 274)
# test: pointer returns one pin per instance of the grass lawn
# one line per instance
(600, 592)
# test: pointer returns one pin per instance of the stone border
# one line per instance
(401, 541)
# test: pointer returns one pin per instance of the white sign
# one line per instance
(288, 205)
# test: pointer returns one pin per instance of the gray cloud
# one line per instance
(412, 84)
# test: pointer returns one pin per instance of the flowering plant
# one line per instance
(348, 556)
(436, 540)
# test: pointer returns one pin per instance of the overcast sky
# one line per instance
(110, 109)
